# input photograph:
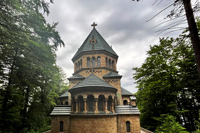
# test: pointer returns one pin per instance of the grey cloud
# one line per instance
(121, 22)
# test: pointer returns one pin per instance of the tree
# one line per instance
(28, 70)
(168, 84)
(169, 125)
(191, 23)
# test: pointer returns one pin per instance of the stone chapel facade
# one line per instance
(95, 101)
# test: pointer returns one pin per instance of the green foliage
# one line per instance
(30, 80)
(169, 125)
(168, 84)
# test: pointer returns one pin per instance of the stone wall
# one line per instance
(133, 102)
(134, 123)
(93, 124)
(124, 97)
(103, 61)
(55, 124)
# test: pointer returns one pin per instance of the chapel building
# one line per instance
(95, 102)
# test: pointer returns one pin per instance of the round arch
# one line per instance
(90, 103)
(125, 102)
(101, 102)
(80, 103)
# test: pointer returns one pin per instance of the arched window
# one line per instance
(88, 61)
(90, 103)
(101, 101)
(98, 61)
(125, 102)
(93, 61)
(128, 128)
(106, 62)
(78, 64)
(109, 103)
(61, 126)
(110, 63)
(81, 63)
(81, 103)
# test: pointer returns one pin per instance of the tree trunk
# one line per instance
(193, 31)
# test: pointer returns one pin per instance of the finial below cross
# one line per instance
(94, 25)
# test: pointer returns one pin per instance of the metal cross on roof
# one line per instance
(94, 25)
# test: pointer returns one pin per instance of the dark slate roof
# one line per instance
(127, 109)
(77, 76)
(92, 81)
(66, 94)
(125, 92)
(112, 75)
(101, 44)
(61, 110)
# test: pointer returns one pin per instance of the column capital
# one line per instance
(96, 99)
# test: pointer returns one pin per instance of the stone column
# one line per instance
(96, 106)
(106, 105)
(72, 106)
(85, 105)
(113, 106)
(77, 109)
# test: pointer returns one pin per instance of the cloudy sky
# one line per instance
(122, 23)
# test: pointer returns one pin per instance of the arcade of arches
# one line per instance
(95, 62)
(90, 104)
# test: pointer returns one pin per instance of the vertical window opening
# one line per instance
(112, 65)
(125, 102)
(101, 102)
(98, 61)
(81, 63)
(88, 61)
(109, 63)
(81, 103)
(128, 129)
(93, 61)
(78, 64)
(90, 103)
(106, 62)
(61, 126)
